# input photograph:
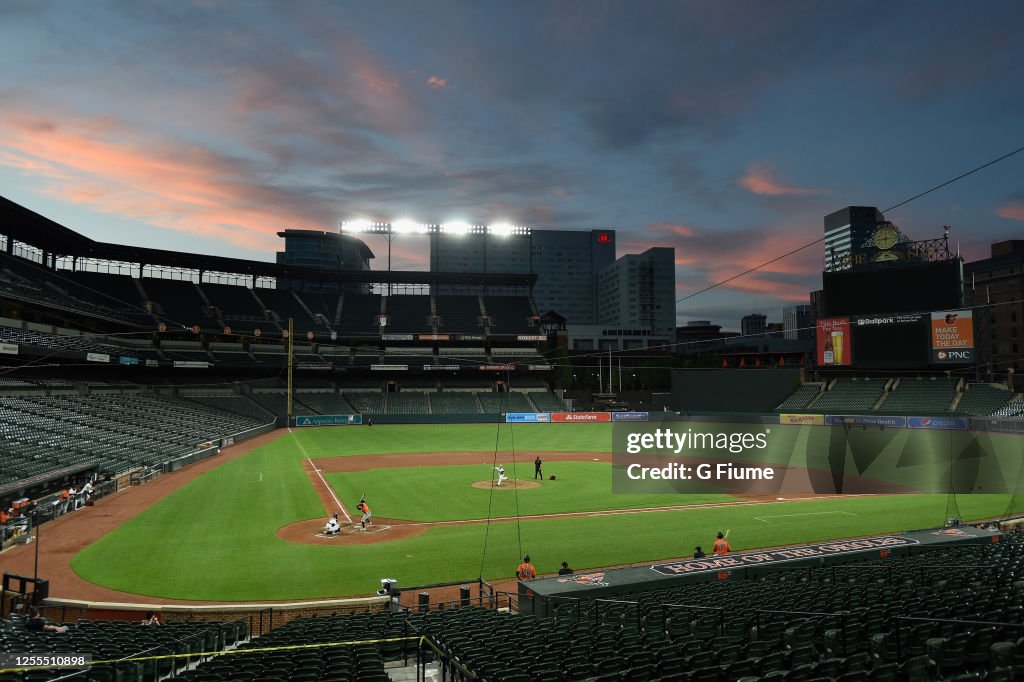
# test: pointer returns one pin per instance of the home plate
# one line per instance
(596, 459)
(781, 499)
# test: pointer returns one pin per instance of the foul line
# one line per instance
(780, 516)
(324, 481)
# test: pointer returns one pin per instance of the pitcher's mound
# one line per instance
(506, 485)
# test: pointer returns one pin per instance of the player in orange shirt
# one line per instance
(721, 546)
(365, 508)
(526, 571)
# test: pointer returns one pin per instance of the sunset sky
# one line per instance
(724, 129)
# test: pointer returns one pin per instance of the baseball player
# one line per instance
(501, 474)
(332, 527)
(365, 508)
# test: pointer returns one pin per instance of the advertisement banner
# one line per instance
(194, 364)
(539, 368)
(998, 425)
(527, 417)
(810, 419)
(470, 337)
(152, 363)
(497, 368)
(945, 423)
(833, 342)
(447, 368)
(952, 336)
(432, 337)
(630, 416)
(97, 357)
(531, 337)
(774, 556)
(864, 420)
(397, 337)
(389, 368)
(9, 348)
(329, 420)
(127, 360)
(578, 417)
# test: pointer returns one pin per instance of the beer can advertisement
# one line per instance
(952, 336)
(833, 335)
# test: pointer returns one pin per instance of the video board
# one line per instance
(891, 341)
(902, 288)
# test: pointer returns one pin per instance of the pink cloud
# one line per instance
(1012, 211)
(704, 258)
(118, 171)
(761, 180)
(437, 82)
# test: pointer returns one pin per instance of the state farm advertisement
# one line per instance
(952, 336)
(834, 342)
(581, 417)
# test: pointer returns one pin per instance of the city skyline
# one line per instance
(724, 130)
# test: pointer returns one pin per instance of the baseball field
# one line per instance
(250, 528)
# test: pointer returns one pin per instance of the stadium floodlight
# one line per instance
(500, 229)
(456, 228)
(406, 226)
(359, 225)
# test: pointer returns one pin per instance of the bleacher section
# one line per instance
(850, 396)
(360, 314)
(234, 302)
(366, 402)
(510, 315)
(283, 303)
(983, 399)
(296, 656)
(504, 402)
(277, 404)
(408, 314)
(800, 398)
(407, 402)
(26, 280)
(117, 292)
(546, 401)
(1014, 408)
(178, 302)
(920, 396)
(117, 431)
(453, 402)
(235, 404)
(114, 640)
(459, 314)
(325, 304)
(327, 403)
(86, 344)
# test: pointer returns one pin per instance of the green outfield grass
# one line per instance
(215, 539)
(446, 493)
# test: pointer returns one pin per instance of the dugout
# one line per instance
(541, 596)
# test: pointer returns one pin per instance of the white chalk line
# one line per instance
(324, 481)
(782, 516)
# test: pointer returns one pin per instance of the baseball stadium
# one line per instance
(390, 475)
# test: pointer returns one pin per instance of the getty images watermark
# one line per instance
(666, 456)
(761, 457)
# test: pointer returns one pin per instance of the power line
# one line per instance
(821, 239)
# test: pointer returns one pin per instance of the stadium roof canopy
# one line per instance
(27, 226)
